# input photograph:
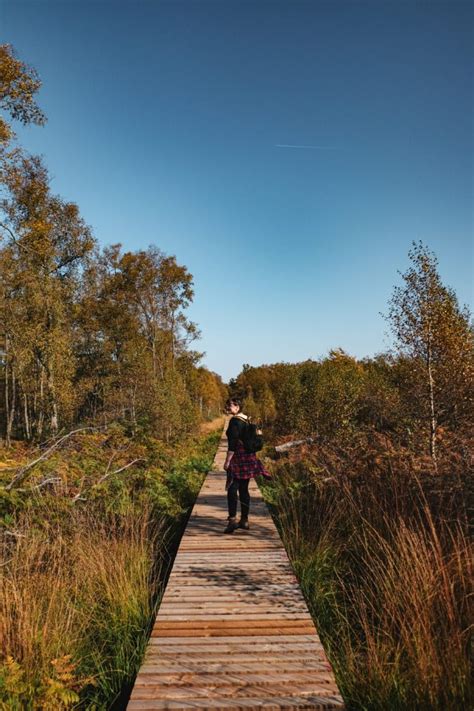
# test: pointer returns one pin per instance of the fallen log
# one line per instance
(288, 445)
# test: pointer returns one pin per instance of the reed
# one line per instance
(81, 580)
(388, 580)
(84, 599)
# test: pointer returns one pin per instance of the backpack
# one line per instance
(252, 437)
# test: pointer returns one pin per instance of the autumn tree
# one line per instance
(133, 316)
(207, 391)
(380, 404)
(434, 332)
(18, 85)
(85, 334)
(288, 399)
(45, 240)
(267, 404)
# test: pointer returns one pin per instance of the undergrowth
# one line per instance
(85, 563)
(381, 549)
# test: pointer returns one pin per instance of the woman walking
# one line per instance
(240, 467)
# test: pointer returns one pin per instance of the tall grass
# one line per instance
(85, 599)
(81, 580)
(386, 571)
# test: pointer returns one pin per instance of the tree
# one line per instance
(160, 290)
(85, 334)
(380, 402)
(335, 395)
(267, 404)
(134, 341)
(435, 333)
(45, 241)
(250, 406)
(288, 398)
(18, 85)
(207, 390)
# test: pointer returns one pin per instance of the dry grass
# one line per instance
(409, 618)
(81, 578)
(76, 596)
(216, 424)
(387, 575)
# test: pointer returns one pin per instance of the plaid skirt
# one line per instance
(246, 466)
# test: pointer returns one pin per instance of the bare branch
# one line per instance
(80, 496)
(16, 240)
(49, 480)
(23, 471)
(288, 445)
(121, 469)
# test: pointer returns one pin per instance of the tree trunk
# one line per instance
(40, 422)
(173, 343)
(121, 405)
(26, 417)
(7, 400)
(12, 408)
(432, 403)
(153, 352)
(133, 415)
(53, 401)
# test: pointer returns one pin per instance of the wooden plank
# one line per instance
(233, 614)
(244, 602)
(161, 666)
(182, 595)
(218, 632)
(230, 677)
(225, 623)
(320, 703)
(270, 589)
(233, 630)
(211, 648)
(184, 647)
(230, 692)
(304, 639)
(193, 681)
(230, 610)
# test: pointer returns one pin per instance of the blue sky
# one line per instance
(167, 121)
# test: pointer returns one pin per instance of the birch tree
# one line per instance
(18, 85)
(432, 330)
(45, 240)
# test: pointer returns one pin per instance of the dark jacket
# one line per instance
(234, 432)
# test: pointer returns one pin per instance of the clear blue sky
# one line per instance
(166, 122)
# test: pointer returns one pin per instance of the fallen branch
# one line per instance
(23, 471)
(80, 496)
(117, 471)
(50, 480)
(288, 445)
(14, 534)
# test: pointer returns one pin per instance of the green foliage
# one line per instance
(288, 397)
(55, 691)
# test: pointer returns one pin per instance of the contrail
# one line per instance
(319, 148)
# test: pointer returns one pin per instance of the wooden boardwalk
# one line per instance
(233, 630)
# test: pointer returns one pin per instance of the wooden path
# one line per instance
(233, 630)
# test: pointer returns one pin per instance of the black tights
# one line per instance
(241, 486)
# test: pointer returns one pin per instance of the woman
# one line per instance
(240, 467)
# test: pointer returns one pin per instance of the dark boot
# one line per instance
(231, 526)
(243, 523)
